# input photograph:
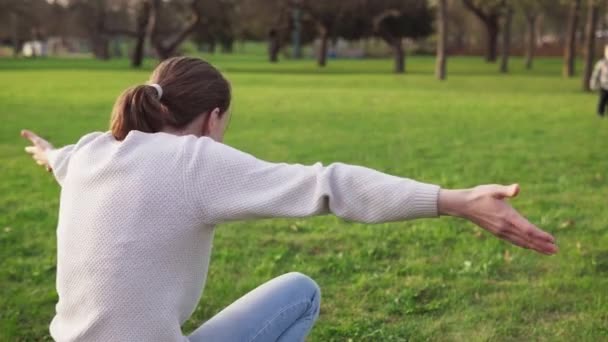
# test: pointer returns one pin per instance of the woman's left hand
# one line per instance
(38, 149)
(487, 207)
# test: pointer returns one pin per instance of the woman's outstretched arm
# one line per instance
(38, 149)
(225, 184)
(52, 159)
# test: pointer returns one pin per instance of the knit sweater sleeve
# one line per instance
(225, 184)
(59, 158)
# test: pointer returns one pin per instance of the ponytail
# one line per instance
(137, 108)
(182, 89)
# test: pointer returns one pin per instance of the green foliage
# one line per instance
(438, 280)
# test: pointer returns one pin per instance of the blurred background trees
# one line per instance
(308, 28)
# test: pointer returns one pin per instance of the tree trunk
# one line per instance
(322, 57)
(117, 47)
(492, 39)
(570, 48)
(15, 34)
(458, 41)
(99, 40)
(531, 20)
(442, 33)
(490, 21)
(592, 15)
(142, 31)
(297, 32)
(399, 55)
(540, 22)
(101, 47)
(163, 53)
(506, 41)
(227, 46)
(137, 58)
(273, 46)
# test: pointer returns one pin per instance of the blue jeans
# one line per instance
(282, 309)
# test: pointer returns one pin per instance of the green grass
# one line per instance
(439, 280)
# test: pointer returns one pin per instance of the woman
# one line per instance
(139, 205)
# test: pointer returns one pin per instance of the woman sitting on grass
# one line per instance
(139, 205)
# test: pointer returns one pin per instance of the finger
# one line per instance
(534, 242)
(31, 149)
(538, 246)
(530, 230)
(514, 239)
(506, 191)
(543, 247)
(40, 162)
(31, 136)
(536, 238)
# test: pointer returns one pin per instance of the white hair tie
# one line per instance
(158, 88)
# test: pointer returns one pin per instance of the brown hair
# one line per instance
(190, 86)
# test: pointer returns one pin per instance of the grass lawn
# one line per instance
(441, 280)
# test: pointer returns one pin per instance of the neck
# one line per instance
(193, 128)
(182, 131)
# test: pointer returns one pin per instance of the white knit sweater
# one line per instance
(137, 217)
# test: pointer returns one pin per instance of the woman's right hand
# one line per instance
(38, 149)
(486, 206)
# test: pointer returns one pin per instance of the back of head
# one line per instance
(188, 87)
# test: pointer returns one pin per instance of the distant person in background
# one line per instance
(139, 205)
(599, 81)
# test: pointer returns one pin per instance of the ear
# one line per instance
(212, 121)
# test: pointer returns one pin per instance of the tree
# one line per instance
(25, 19)
(592, 16)
(531, 10)
(397, 20)
(91, 16)
(264, 20)
(99, 21)
(326, 15)
(216, 25)
(160, 22)
(489, 12)
(277, 34)
(143, 30)
(442, 34)
(296, 33)
(332, 19)
(506, 39)
(15, 11)
(163, 15)
(570, 48)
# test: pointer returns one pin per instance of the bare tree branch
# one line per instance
(166, 49)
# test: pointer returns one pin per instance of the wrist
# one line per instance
(452, 202)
